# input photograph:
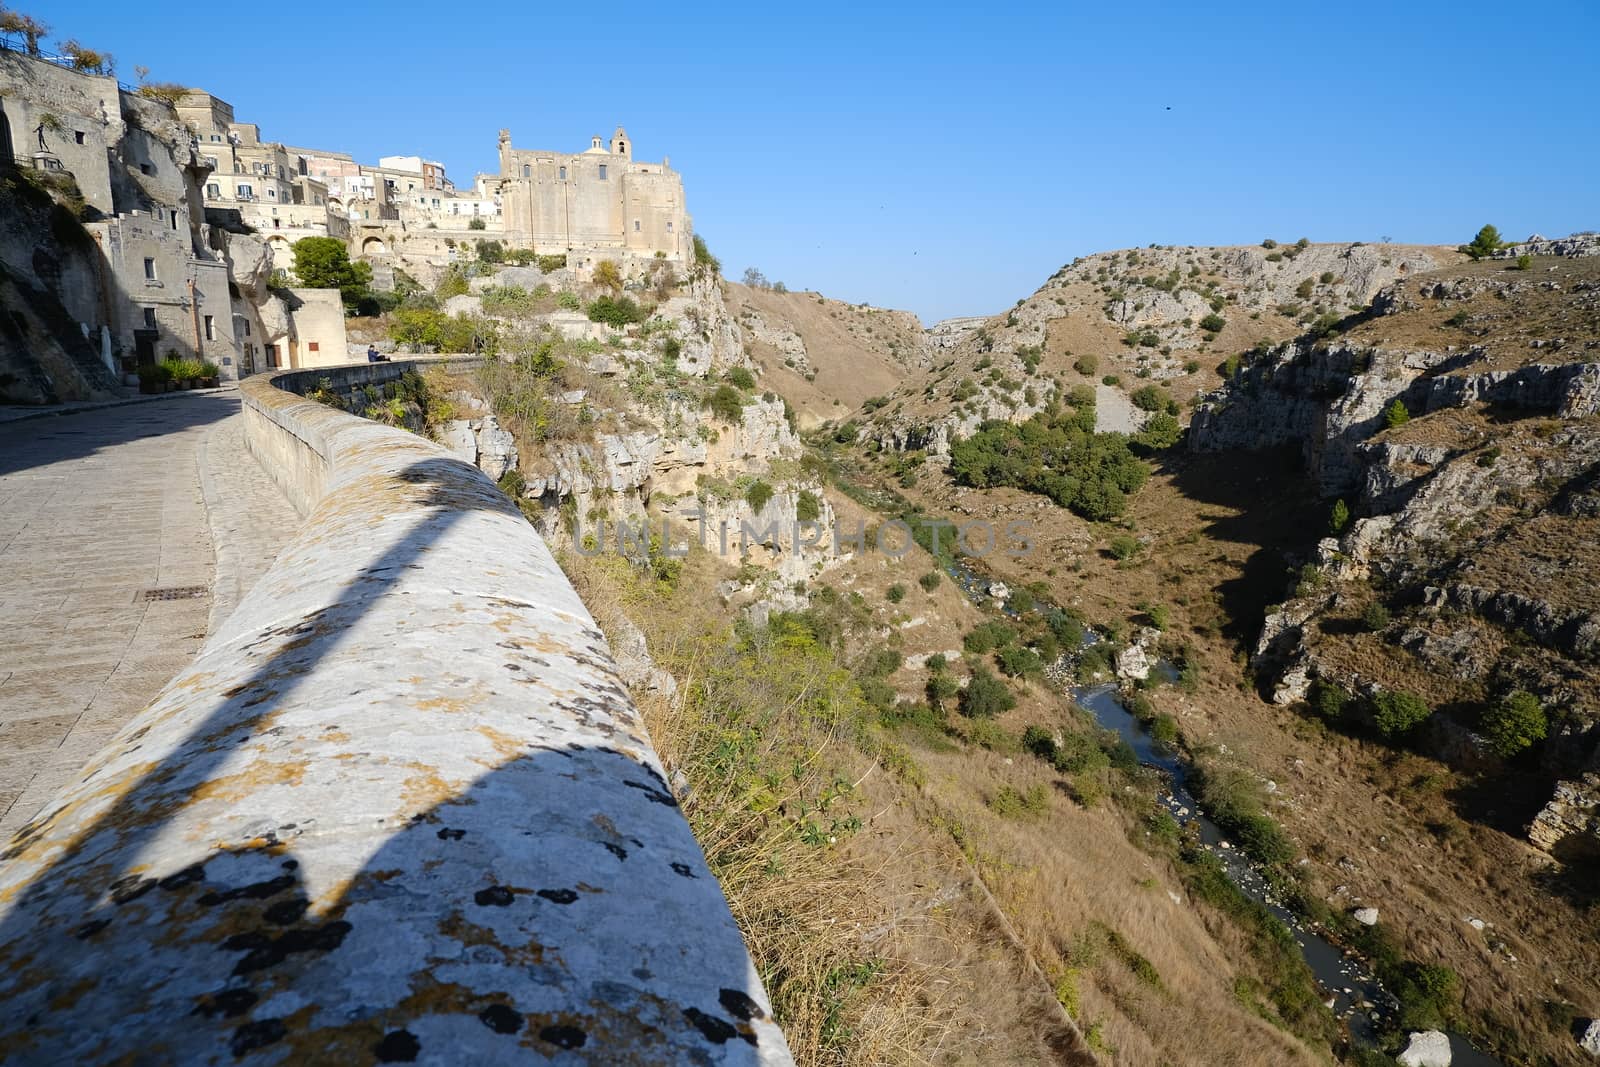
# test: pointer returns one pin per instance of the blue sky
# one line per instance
(944, 160)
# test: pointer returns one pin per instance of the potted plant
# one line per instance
(152, 378)
(209, 372)
(174, 368)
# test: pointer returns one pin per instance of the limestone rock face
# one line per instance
(791, 348)
(1573, 810)
(634, 663)
(1428, 1048)
(710, 338)
(482, 442)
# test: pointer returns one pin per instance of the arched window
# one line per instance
(527, 171)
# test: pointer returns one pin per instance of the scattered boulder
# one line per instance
(1132, 664)
(1365, 916)
(1428, 1048)
(1589, 1037)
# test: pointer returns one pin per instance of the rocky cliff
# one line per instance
(1167, 316)
(1457, 422)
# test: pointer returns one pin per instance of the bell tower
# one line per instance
(620, 145)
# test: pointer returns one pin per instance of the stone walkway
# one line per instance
(96, 509)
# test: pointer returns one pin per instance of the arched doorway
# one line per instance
(6, 152)
(374, 246)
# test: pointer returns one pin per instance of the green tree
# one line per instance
(1340, 517)
(1396, 714)
(1396, 414)
(1514, 723)
(985, 695)
(1524, 262)
(1486, 243)
(324, 263)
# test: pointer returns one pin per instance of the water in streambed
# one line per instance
(1357, 996)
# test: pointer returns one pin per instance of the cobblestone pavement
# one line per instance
(97, 508)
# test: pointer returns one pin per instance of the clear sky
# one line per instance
(941, 159)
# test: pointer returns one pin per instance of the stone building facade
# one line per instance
(599, 200)
(109, 256)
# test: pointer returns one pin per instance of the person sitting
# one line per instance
(372, 354)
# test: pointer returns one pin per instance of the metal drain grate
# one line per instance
(173, 592)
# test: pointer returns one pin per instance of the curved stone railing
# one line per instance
(399, 808)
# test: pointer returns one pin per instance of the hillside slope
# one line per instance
(1167, 316)
(824, 356)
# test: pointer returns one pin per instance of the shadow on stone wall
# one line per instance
(163, 909)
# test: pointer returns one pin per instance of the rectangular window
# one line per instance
(78, 135)
(669, 227)
(149, 318)
(312, 345)
(635, 225)
(563, 173)
(174, 215)
(211, 328)
(149, 269)
(214, 191)
(602, 172)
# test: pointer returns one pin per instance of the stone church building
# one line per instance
(598, 200)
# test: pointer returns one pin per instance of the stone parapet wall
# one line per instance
(399, 808)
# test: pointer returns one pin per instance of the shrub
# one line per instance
(941, 688)
(1149, 398)
(807, 506)
(568, 300)
(1269, 244)
(548, 264)
(726, 403)
(1514, 723)
(1524, 262)
(1305, 289)
(1213, 323)
(703, 259)
(1375, 616)
(1088, 366)
(477, 224)
(741, 377)
(1164, 730)
(1159, 433)
(985, 696)
(615, 312)
(1124, 546)
(1078, 754)
(1340, 518)
(608, 275)
(1395, 714)
(1056, 454)
(929, 581)
(988, 635)
(1015, 661)
(758, 495)
(936, 662)
(895, 593)
(1396, 414)
(1009, 803)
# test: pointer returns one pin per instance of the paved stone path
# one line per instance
(95, 508)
